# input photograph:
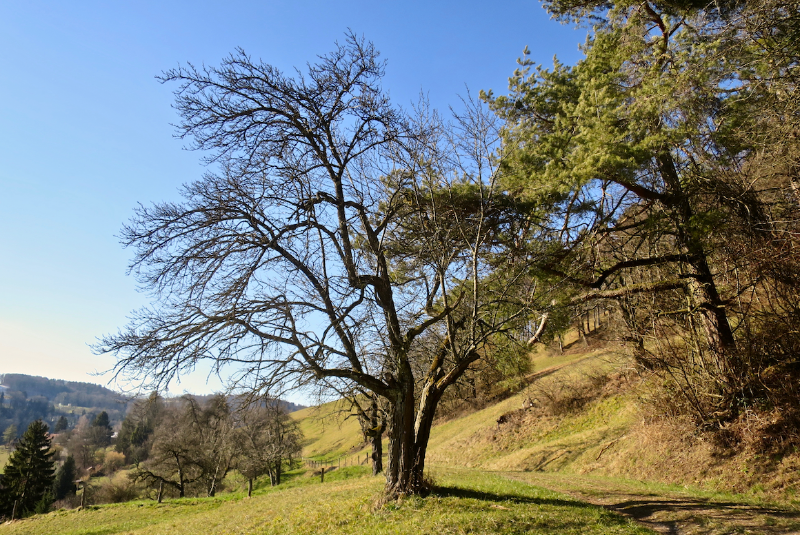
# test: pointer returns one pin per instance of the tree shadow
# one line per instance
(679, 514)
(459, 492)
(674, 515)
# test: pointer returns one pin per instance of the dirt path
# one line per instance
(673, 512)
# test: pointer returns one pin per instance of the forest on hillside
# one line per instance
(26, 398)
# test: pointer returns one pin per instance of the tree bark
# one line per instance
(377, 426)
(401, 436)
(703, 287)
(428, 402)
(538, 334)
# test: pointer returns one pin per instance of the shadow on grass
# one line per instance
(676, 514)
(459, 492)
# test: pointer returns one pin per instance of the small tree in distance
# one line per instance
(65, 477)
(269, 437)
(334, 231)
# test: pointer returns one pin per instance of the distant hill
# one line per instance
(62, 392)
(288, 406)
(26, 398)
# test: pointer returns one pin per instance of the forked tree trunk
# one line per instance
(399, 480)
(408, 447)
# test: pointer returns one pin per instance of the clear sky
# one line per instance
(85, 132)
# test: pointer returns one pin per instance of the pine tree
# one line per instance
(62, 424)
(65, 477)
(28, 475)
(100, 432)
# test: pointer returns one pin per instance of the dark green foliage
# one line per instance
(28, 476)
(100, 432)
(61, 425)
(65, 478)
(138, 426)
(102, 420)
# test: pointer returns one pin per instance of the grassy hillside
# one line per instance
(532, 438)
(466, 502)
(586, 418)
(327, 430)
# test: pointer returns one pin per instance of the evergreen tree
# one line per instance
(100, 432)
(102, 420)
(65, 477)
(667, 158)
(29, 473)
(61, 424)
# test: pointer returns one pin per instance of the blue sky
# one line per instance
(85, 132)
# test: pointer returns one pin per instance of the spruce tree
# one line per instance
(28, 475)
(61, 425)
(65, 477)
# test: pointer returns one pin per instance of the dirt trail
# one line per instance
(673, 512)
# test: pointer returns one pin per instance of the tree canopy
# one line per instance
(330, 233)
(667, 164)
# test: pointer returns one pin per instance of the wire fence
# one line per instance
(339, 461)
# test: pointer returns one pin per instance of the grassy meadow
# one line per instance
(463, 502)
(490, 477)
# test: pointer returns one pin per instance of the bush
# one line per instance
(117, 489)
(113, 461)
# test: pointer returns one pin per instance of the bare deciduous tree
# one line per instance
(330, 233)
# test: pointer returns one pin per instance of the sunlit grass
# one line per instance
(463, 502)
(327, 430)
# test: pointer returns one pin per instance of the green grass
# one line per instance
(327, 431)
(463, 502)
(533, 441)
